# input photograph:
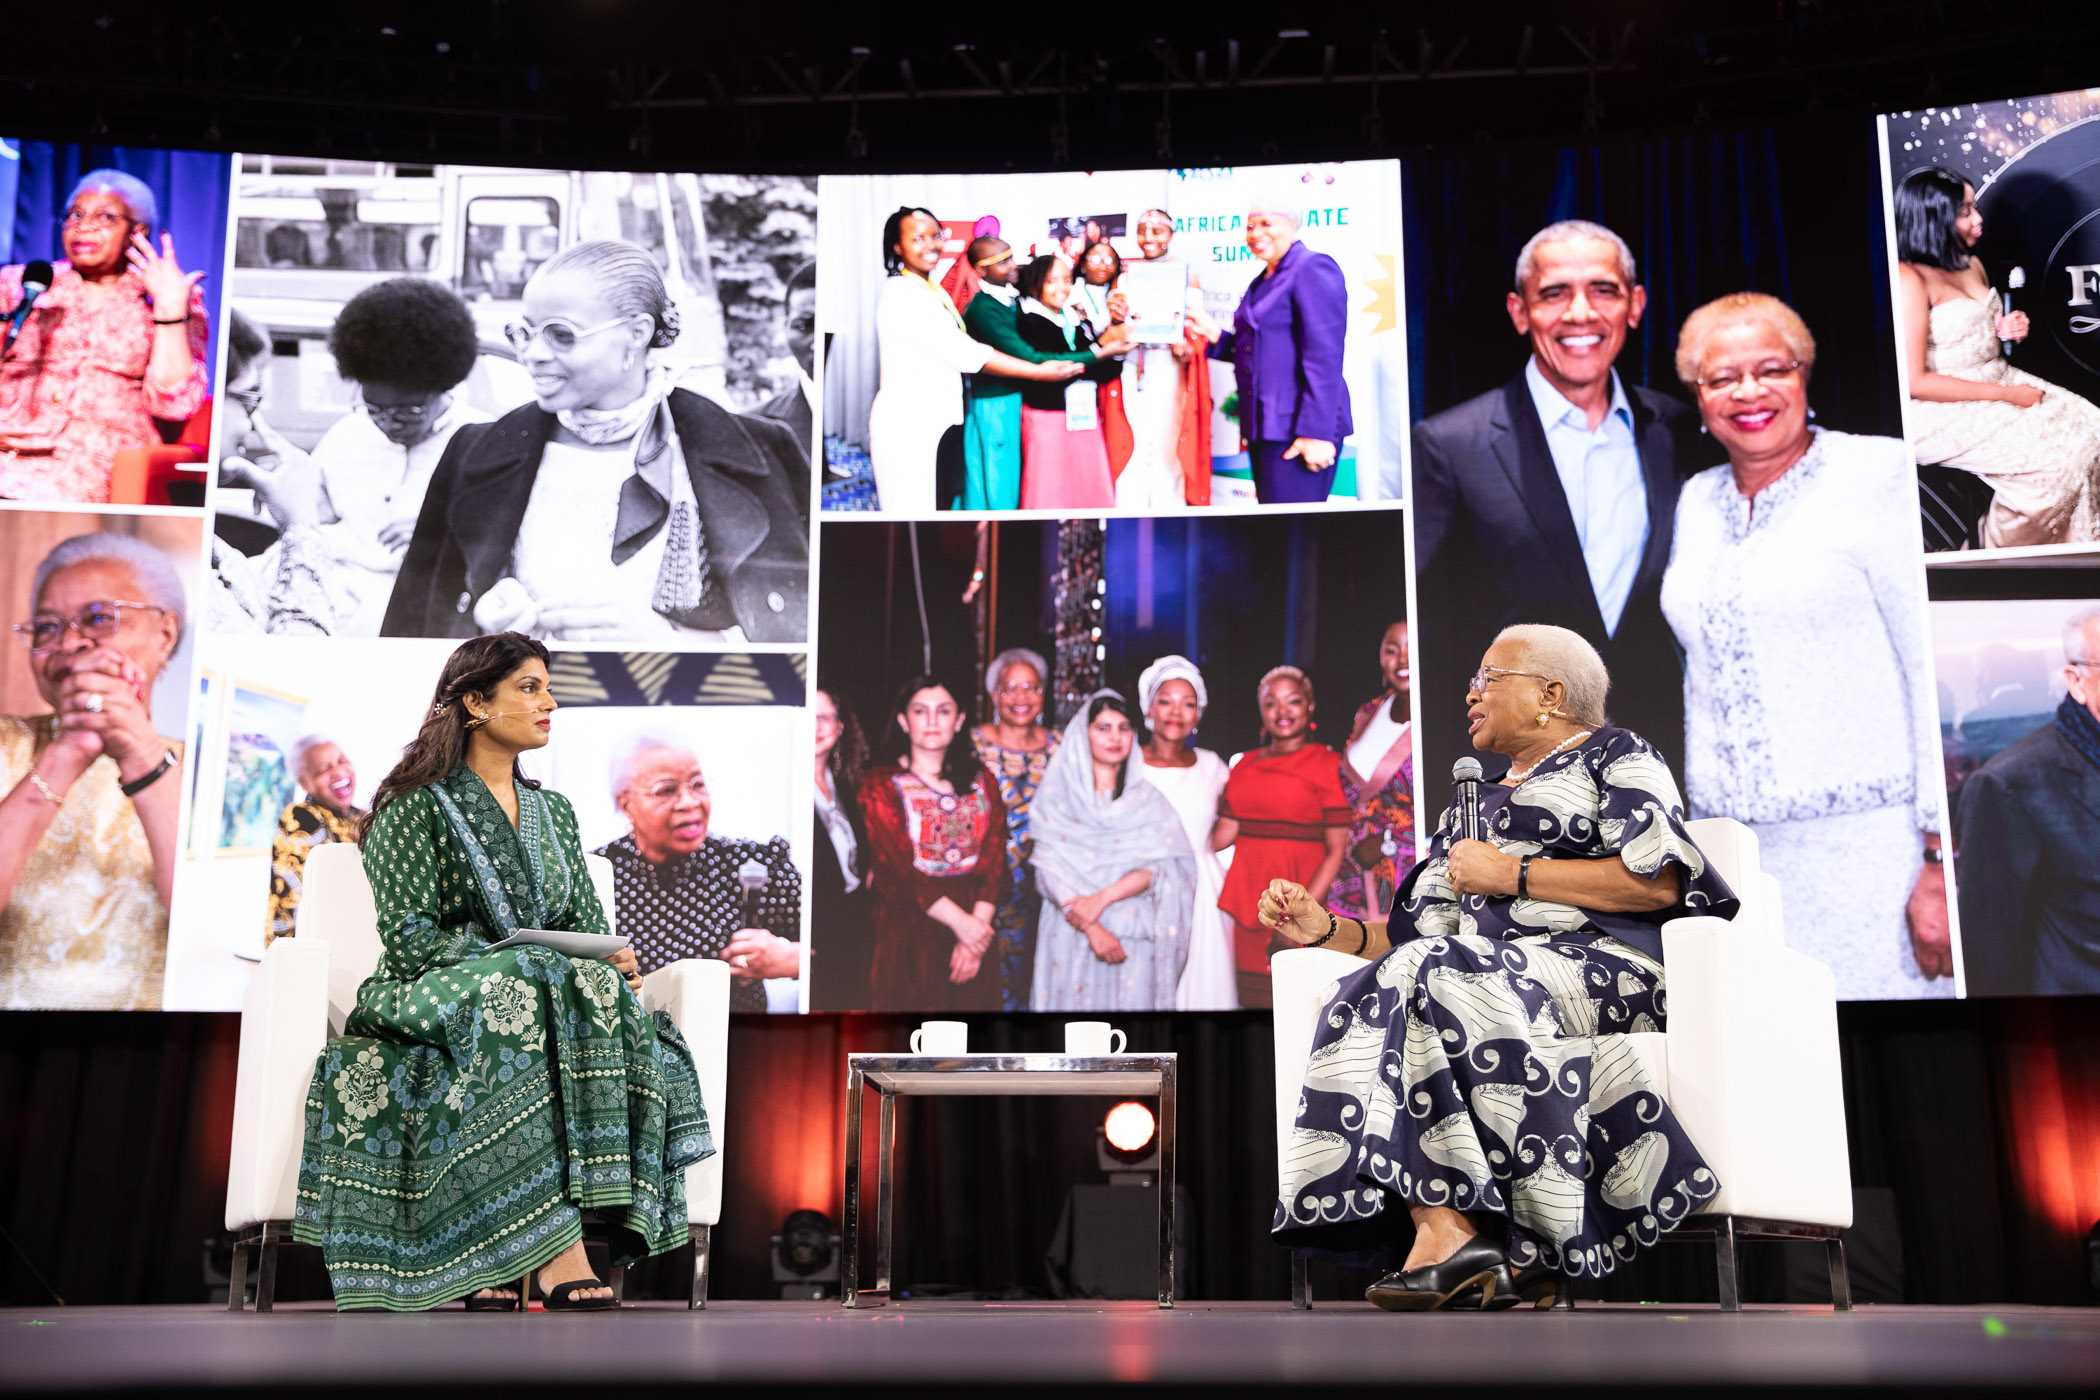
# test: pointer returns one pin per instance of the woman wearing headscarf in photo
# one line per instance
(915, 423)
(936, 858)
(115, 344)
(1064, 452)
(406, 344)
(2036, 444)
(1015, 749)
(617, 507)
(1284, 815)
(1172, 695)
(1117, 874)
(1378, 779)
(1793, 574)
(1286, 347)
(838, 876)
(93, 790)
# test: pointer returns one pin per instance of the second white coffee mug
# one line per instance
(1094, 1038)
(941, 1038)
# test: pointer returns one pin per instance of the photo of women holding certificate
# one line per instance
(1117, 876)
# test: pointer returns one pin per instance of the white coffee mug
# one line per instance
(1093, 1038)
(941, 1038)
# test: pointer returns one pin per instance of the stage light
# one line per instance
(806, 1255)
(1129, 1129)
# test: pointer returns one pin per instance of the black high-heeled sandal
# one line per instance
(476, 1303)
(1475, 1276)
(562, 1297)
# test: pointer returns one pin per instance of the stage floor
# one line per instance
(931, 1344)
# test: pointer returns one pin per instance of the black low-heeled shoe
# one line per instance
(1475, 1276)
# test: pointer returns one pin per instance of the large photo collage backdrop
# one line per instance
(969, 592)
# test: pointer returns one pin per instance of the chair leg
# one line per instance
(237, 1280)
(702, 1237)
(1724, 1265)
(1301, 1282)
(1840, 1277)
(266, 1277)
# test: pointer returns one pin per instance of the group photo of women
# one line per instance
(110, 314)
(1691, 461)
(439, 417)
(1023, 837)
(1222, 337)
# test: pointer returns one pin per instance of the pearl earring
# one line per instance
(1702, 430)
(1542, 719)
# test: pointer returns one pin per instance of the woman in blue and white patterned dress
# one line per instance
(1477, 1073)
(1796, 587)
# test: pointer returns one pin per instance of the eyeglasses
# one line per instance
(1021, 688)
(1488, 675)
(561, 336)
(100, 219)
(97, 622)
(407, 415)
(1771, 372)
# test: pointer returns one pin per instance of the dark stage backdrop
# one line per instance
(1982, 1119)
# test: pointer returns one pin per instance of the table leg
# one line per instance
(885, 1191)
(1167, 1115)
(855, 1089)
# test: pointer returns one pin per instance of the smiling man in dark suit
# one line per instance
(1551, 498)
(2025, 833)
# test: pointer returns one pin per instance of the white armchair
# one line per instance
(304, 989)
(1749, 1063)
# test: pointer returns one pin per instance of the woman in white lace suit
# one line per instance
(1809, 710)
(2037, 445)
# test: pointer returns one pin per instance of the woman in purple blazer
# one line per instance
(1286, 351)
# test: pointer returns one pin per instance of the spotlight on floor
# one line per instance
(1126, 1145)
(806, 1256)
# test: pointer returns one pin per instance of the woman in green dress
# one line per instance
(481, 1104)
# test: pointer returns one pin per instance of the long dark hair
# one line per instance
(1111, 701)
(1928, 202)
(475, 668)
(959, 766)
(892, 230)
(848, 759)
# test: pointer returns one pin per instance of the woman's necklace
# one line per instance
(1575, 738)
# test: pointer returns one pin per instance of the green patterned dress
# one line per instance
(479, 1104)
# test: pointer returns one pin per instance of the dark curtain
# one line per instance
(193, 188)
(1982, 1119)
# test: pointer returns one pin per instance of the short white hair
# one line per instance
(628, 757)
(302, 749)
(1561, 655)
(1025, 656)
(2075, 645)
(158, 582)
(1273, 203)
(1567, 230)
(136, 194)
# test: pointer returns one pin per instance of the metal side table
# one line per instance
(894, 1076)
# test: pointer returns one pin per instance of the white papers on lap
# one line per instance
(575, 945)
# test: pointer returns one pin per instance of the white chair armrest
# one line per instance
(694, 993)
(1754, 1072)
(284, 1028)
(1298, 983)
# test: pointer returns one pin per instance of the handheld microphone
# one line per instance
(752, 876)
(36, 280)
(1465, 781)
(2015, 280)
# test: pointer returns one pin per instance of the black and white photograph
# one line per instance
(442, 381)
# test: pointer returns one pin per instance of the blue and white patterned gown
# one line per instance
(1479, 1065)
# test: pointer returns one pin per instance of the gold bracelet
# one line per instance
(45, 788)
